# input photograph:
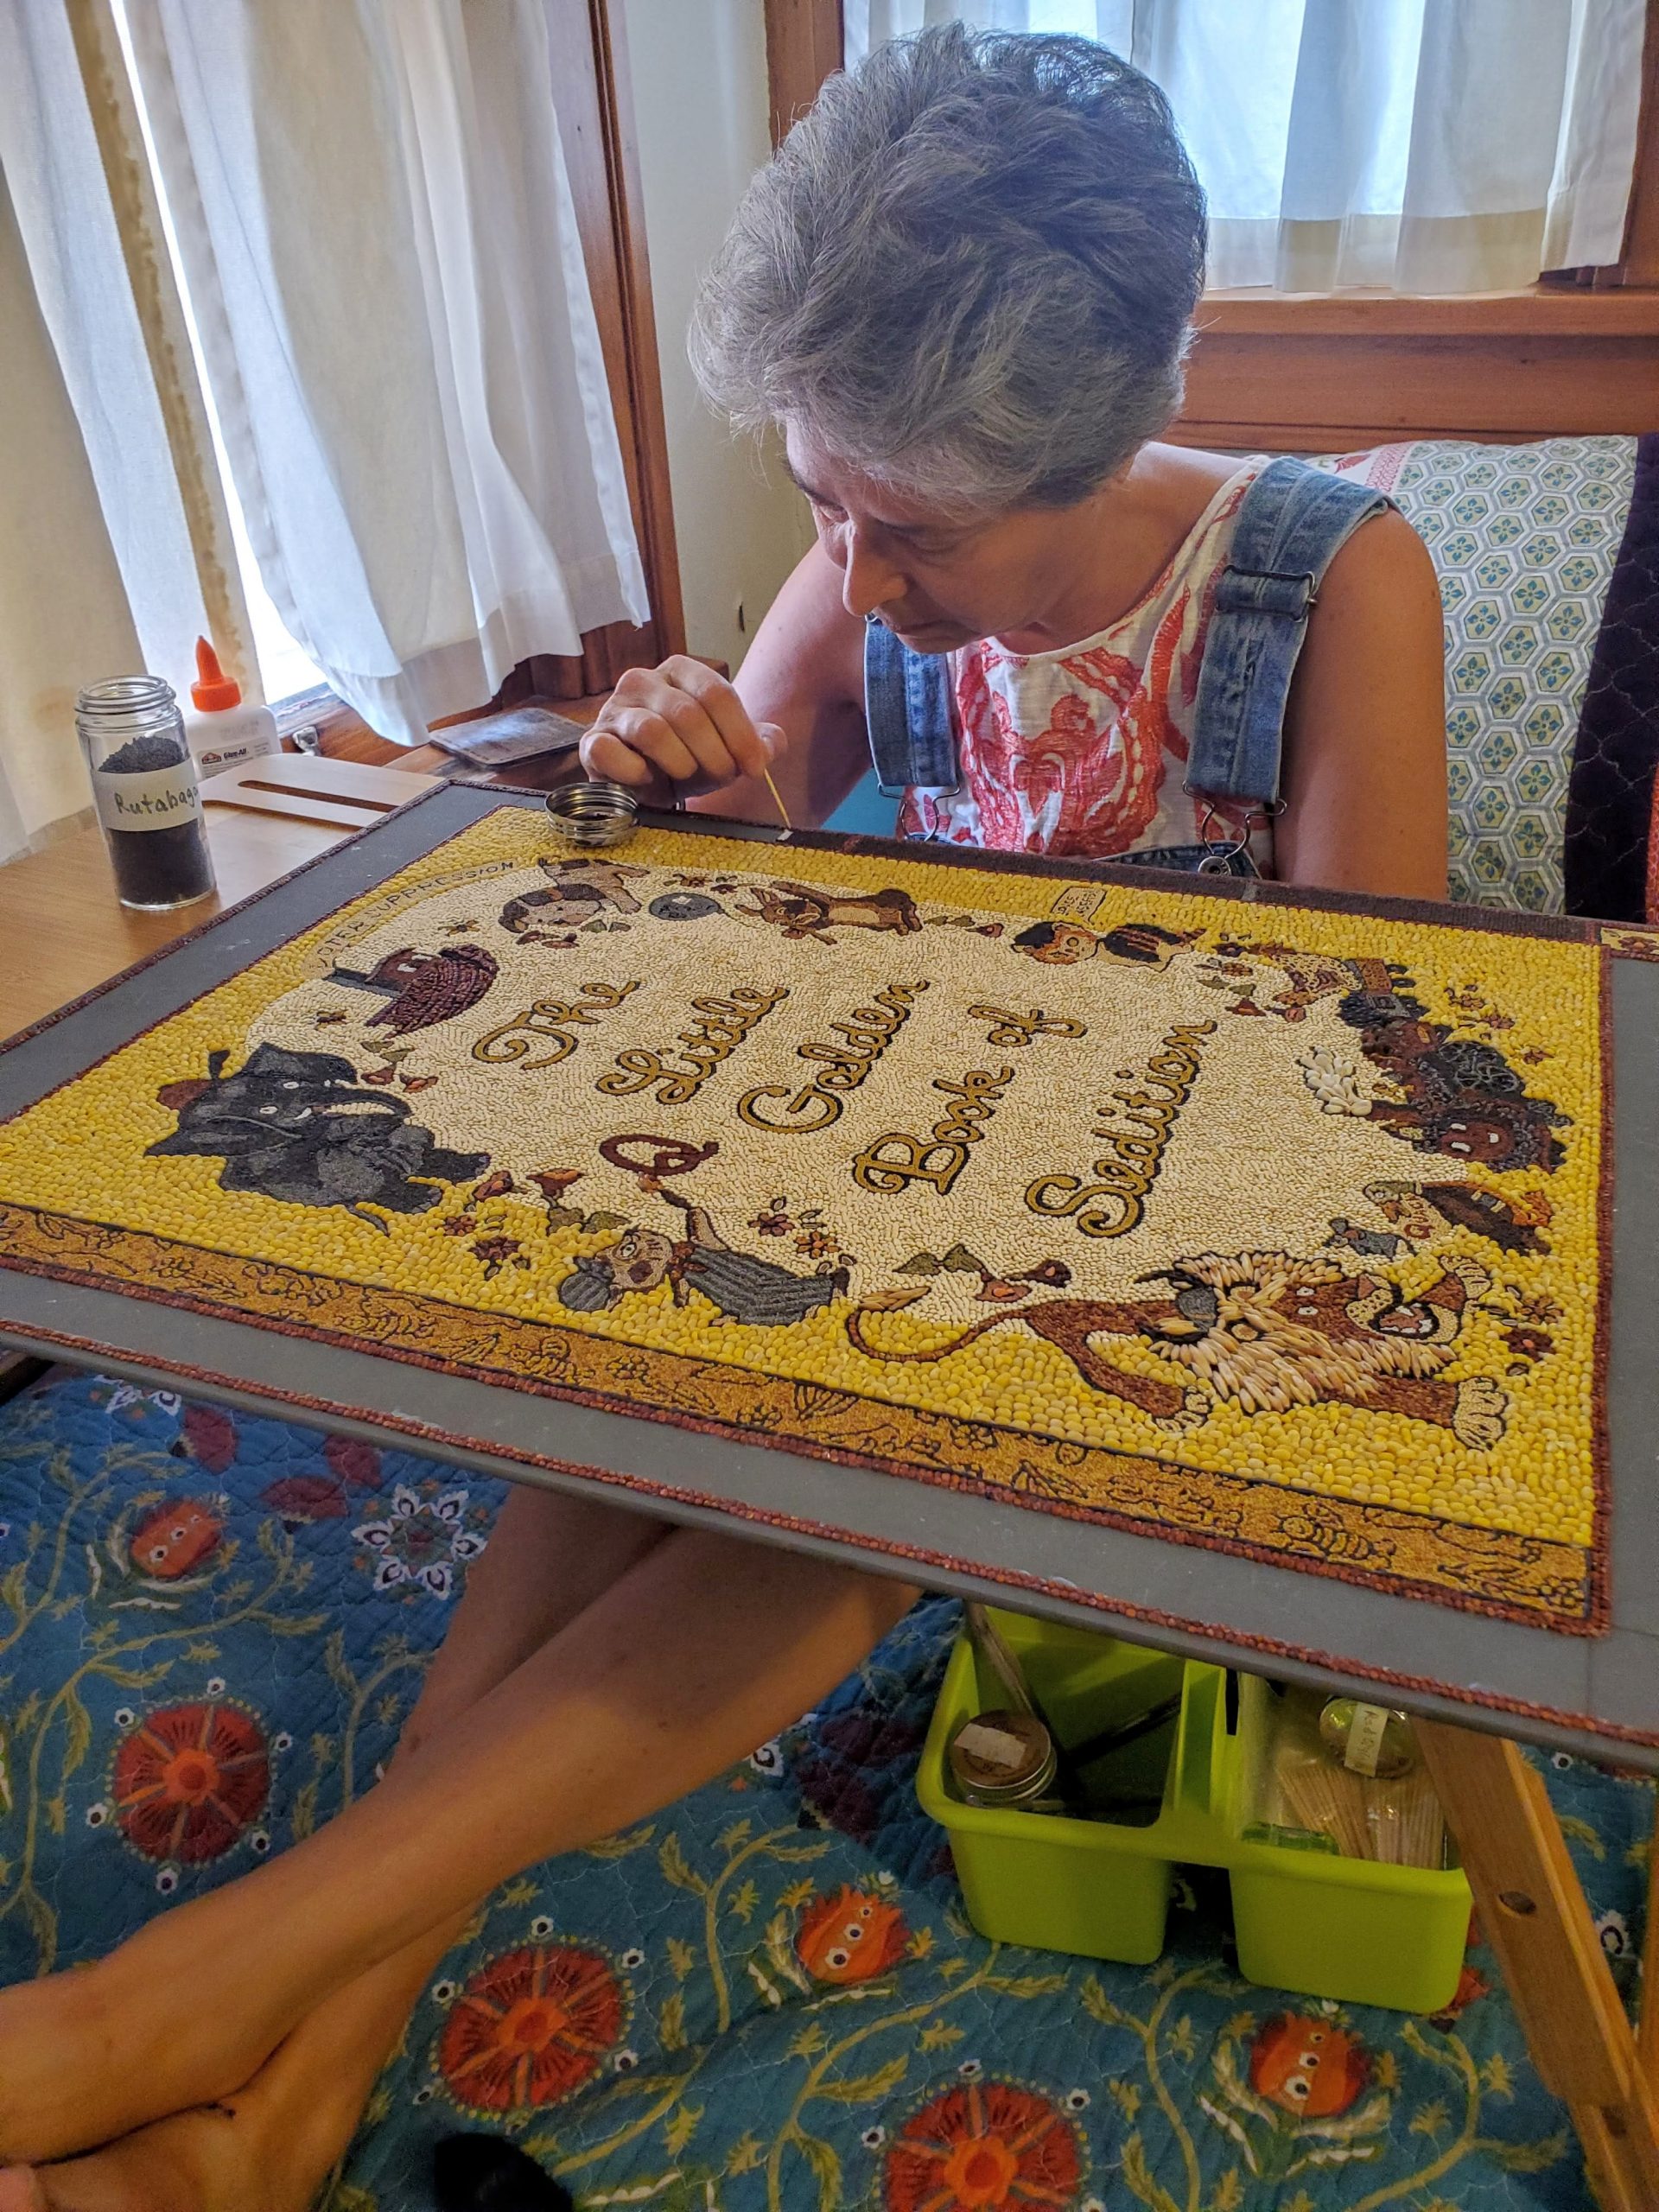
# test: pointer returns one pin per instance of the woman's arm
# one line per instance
(804, 673)
(797, 702)
(1364, 781)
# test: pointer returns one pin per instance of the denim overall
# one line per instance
(1291, 524)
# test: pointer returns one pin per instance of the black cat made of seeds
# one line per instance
(296, 1127)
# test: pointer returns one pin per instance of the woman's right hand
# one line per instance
(678, 724)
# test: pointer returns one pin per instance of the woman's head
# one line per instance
(966, 277)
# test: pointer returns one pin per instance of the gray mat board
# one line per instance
(1214, 1597)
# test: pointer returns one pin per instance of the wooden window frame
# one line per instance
(806, 40)
(594, 95)
(1576, 355)
(1324, 373)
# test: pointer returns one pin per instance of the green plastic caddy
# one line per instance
(1307, 1921)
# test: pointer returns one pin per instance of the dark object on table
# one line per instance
(145, 789)
(497, 740)
(483, 2173)
(305, 720)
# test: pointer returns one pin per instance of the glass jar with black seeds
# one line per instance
(145, 789)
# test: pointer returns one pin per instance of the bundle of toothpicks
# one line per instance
(1396, 1819)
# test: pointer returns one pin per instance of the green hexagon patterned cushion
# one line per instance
(1548, 560)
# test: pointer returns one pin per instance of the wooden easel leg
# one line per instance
(1533, 1915)
(1647, 2027)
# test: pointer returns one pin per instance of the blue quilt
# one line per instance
(211, 1628)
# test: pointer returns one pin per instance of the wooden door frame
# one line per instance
(805, 41)
(594, 95)
(1639, 263)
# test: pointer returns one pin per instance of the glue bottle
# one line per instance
(223, 731)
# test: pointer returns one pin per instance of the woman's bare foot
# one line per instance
(87, 2055)
(687, 1661)
(225, 2159)
(269, 2146)
(195, 2162)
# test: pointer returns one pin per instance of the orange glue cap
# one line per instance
(213, 691)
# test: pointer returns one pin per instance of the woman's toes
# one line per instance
(20, 2192)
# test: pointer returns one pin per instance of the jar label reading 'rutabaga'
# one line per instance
(154, 798)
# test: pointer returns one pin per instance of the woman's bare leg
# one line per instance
(548, 1557)
(703, 1648)
(270, 2146)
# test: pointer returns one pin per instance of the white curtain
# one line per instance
(1419, 145)
(380, 249)
(64, 617)
(94, 273)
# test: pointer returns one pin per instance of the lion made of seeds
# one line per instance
(1267, 1331)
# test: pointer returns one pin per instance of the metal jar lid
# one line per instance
(594, 813)
(1004, 1758)
(1368, 1740)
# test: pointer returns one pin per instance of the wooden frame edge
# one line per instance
(596, 124)
(639, 332)
(1638, 261)
(805, 43)
(1546, 311)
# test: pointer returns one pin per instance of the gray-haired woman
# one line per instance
(963, 290)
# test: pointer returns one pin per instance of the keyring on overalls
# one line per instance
(1222, 851)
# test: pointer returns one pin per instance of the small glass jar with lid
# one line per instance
(1007, 1759)
(145, 789)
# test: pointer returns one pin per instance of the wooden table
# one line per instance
(61, 902)
(66, 934)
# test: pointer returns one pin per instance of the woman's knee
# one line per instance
(806, 1585)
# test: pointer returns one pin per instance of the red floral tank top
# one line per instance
(1083, 750)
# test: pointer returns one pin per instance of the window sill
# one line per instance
(1544, 311)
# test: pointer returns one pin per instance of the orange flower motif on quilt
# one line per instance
(982, 2147)
(530, 2028)
(849, 1937)
(190, 1781)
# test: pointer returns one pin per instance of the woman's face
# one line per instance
(936, 581)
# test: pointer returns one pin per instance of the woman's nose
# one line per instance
(868, 582)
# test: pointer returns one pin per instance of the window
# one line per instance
(285, 667)
(1399, 144)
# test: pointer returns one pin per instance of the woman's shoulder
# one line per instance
(1191, 473)
(1384, 555)
(1384, 560)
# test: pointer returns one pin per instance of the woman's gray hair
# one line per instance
(968, 272)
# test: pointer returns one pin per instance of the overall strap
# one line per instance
(1291, 524)
(908, 706)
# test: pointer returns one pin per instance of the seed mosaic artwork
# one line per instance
(1274, 1229)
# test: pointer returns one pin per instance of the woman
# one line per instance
(962, 292)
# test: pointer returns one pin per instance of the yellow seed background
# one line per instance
(1251, 1164)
